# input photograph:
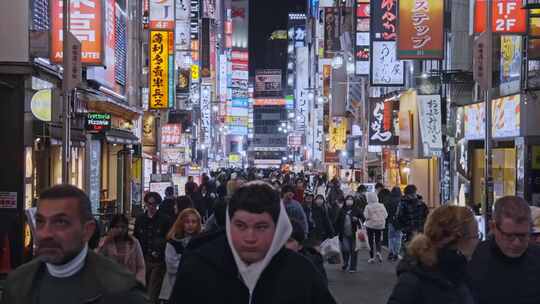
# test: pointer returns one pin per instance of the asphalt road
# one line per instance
(372, 284)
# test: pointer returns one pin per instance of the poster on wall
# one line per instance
(430, 115)
(506, 113)
(510, 69)
(420, 31)
(474, 121)
(386, 69)
(383, 122)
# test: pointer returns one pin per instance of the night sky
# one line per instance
(266, 17)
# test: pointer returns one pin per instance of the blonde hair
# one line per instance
(177, 229)
(446, 225)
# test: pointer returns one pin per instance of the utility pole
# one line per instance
(66, 109)
(488, 158)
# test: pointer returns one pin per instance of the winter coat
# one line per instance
(355, 214)
(497, 278)
(391, 206)
(375, 214)
(317, 259)
(418, 284)
(151, 233)
(173, 254)
(104, 280)
(209, 275)
(133, 259)
(322, 227)
(296, 212)
(411, 215)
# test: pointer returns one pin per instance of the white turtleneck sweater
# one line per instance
(70, 268)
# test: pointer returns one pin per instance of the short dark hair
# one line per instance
(153, 195)
(183, 202)
(379, 185)
(256, 197)
(514, 208)
(410, 190)
(287, 188)
(68, 191)
(119, 219)
(361, 188)
(169, 191)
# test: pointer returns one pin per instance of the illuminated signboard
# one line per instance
(161, 69)
(98, 122)
(508, 17)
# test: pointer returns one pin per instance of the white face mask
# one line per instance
(349, 202)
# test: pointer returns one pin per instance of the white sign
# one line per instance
(206, 108)
(223, 76)
(429, 110)
(362, 38)
(162, 14)
(182, 39)
(182, 10)
(387, 70)
(8, 200)
(241, 75)
(302, 115)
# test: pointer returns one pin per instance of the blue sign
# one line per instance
(237, 130)
(239, 103)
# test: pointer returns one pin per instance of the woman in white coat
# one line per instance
(187, 225)
(375, 214)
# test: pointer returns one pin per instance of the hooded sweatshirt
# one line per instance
(251, 273)
(375, 212)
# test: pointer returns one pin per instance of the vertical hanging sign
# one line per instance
(161, 69)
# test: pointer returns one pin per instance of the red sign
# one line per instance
(508, 17)
(170, 134)
(86, 21)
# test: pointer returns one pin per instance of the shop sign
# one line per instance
(41, 104)
(331, 35)
(149, 129)
(421, 32)
(508, 17)
(205, 48)
(206, 99)
(234, 158)
(161, 69)
(171, 134)
(295, 140)
(474, 121)
(182, 10)
(268, 83)
(383, 117)
(8, 200)
(194, 19)
(481, 65)
(94, 174)
(98, 122)
(209, 9)
(162, 14)
(362, 37)
(384, 20)
(86, 24)
(386, 69)
(430, 115)
(338, 134)
(182, 35)
(510, 69)
(183, 81)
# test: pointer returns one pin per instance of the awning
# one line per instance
(121, 137)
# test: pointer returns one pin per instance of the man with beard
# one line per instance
(65, 270)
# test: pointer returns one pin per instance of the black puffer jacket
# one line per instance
(420, 285)
(411, 215)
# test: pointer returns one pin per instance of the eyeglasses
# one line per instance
(522, 237)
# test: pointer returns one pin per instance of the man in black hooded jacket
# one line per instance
(249, 264)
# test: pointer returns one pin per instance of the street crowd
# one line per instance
(264, 237)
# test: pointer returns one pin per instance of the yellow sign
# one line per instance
(41, 105)
(159, 70)
(195, 72)
(338, 134)
(234, 157)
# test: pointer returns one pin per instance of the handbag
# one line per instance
(361, 239)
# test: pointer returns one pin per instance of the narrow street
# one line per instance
(372, 283)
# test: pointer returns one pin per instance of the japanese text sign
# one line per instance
(86, 23)
(420, 31)
(362, 37)
(383, 122)
(508, 17)
(170, 134)
(161, 69)
(429, 110)
(162, 14)
(384, 20)
(386, 69)
(338, 134)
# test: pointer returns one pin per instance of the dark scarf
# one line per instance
(452, 264)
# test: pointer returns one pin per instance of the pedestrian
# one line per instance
(181, 203)
(394, 234)
(411, 215)
(65, 270)
(151, 229)
(322, 228)
(190, 187)
(297, 244)
(307, 205)
(232, 184)
(204, 202)
(506, 267)
(435, 269)
(187, 225)
(251, 253)
(378, 188)
(293, 208)
(216, 222)
(122, 248)
(299, 190)
(346, 226)
(166, 208)
(375, 215)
